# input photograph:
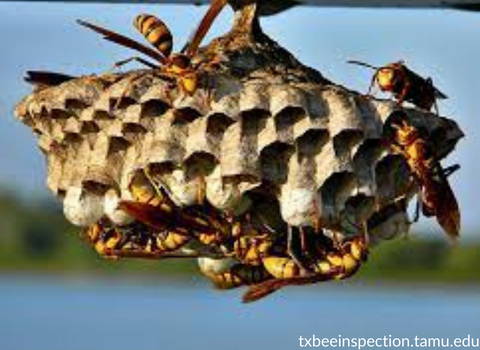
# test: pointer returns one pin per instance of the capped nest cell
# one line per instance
(263, 136)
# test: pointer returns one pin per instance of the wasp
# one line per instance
(157, 33)
(436, 195)
(135, 240)
(404, 84)
(338, 261)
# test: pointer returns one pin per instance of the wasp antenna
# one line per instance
(440, 95)
(46, 78)
(191, 47)
(363, 64)
(124, 41)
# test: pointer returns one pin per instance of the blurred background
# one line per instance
(55, 293)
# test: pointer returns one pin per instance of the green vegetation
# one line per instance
(34, 237)
(416, 260)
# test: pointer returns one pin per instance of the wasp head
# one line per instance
(387, 77)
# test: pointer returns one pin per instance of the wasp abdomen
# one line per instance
(171, 242)
(155, 31)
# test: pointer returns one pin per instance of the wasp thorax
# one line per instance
(181, 61)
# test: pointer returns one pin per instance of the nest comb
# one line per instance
(263, 133)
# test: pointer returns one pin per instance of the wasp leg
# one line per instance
(292, 252)
(429, 82)
(366, 235)
(303, 239)
(126, 89)
(418, 209)
(317, 223)
(435, 105)
(159, 190)
(118, 64)
(336, 239)
(450, 170)
(202, 190)
(372, 85)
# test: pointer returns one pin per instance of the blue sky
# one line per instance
(443, 44)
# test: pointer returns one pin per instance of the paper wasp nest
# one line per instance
(262, 133)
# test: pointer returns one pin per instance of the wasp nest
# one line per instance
(262, 135)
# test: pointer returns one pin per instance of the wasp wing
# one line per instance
(38, 77)
(194, 42)
(161, 219)
(448, 212)
(124, 41)
(263, 289)
(439, 200)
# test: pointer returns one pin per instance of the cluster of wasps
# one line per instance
(252, 253)
(257, 255)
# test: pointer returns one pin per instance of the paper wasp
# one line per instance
(404, 84)
(135, 240)
(436, 196)
(179, 65)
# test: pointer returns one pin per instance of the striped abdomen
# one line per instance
(171, 242)
(239, 275)
(155, 31)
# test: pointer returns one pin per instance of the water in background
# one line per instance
(58, 314)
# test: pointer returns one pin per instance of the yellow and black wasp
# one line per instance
(404, 84)
(157, 33)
